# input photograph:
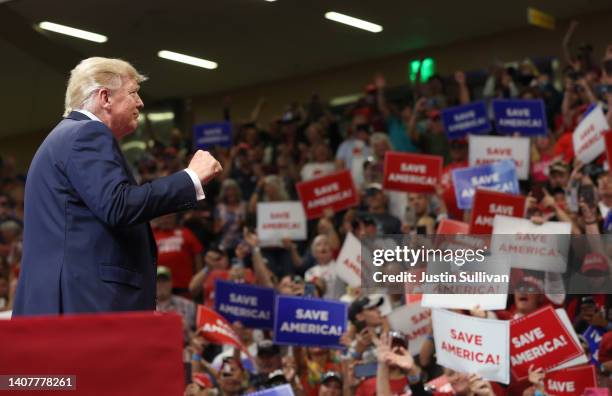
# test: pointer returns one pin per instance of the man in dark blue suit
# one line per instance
(87, 244)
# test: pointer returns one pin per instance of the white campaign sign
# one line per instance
(413, 320)
(278, 220)
(490, 149)
(588, 139)
(348, 264)
(531, 246)
(473, 345)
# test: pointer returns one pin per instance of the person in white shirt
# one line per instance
(324, 269)
(321, 163)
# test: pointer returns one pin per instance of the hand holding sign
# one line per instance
(479, 386)
(536, 377)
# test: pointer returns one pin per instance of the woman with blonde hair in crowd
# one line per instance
(542, 156)
(269, 189)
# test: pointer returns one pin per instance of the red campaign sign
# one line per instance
(571, 381)
(540, 339)
(216, 329)
(336, 191)
(108, 354)
(417, 173)
(608, 140)
(452, 227)
(489, 203)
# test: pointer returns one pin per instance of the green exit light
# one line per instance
(427, 70)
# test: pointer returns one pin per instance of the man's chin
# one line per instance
(127, 131)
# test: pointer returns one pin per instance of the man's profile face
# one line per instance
(125, 108)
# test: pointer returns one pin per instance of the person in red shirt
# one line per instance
(217, 266)
(179, 250)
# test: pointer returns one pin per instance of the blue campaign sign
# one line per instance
(281, 390)
(253, 306)
(608, 222)
(212, 134)
(470, 118)
(593, 337)
(309, 321)
(499, 176)
(528, 117)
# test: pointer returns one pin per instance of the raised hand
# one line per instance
(250, 238)
(536, 377)
(460, 77)
(401, 358)
(479, 386)
(205, 166)
(420, 105)
(379, 81)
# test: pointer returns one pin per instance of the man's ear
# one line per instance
(104, 98)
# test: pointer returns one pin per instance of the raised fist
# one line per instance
(205, 166)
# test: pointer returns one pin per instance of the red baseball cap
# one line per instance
(595, 262)
(519, 278)
(202, 380)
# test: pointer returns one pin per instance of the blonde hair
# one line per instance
(379, 137)
(92, 74)
(275, 180)
(229, 183)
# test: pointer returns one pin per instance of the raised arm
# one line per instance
(566, 41)
(98, 172)
(379, 81)
(464, 92)
(263, 275)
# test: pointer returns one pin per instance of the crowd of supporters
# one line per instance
(217, 240)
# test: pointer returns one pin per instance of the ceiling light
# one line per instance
(345, 99)
(190, 60)
(162, 116)
(354, 22)
(78, 33)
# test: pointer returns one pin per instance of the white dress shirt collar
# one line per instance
(88, 114)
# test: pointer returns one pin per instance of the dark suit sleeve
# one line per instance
(96, 173)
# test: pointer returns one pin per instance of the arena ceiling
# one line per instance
(253, 41)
